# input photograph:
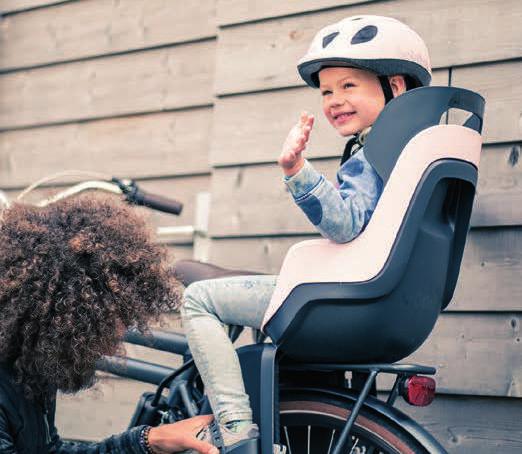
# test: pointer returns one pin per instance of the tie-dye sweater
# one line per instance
(341, 212)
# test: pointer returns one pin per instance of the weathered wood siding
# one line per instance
(200, 95)
(100, 27)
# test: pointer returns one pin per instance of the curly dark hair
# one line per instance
(73, 276)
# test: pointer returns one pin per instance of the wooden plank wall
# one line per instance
(200, 95)
(108, 86)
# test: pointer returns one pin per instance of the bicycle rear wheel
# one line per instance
(311, 424)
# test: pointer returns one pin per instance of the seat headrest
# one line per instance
(408, 114)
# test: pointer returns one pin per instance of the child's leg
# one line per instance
(239, 300)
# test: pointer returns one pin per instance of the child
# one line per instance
(359, 64)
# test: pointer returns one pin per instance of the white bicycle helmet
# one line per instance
(382, 45)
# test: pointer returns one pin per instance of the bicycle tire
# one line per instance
(310, 424)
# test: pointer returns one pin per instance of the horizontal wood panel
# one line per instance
(499, 192)
(183, 189)
(171, 143)
(489, 276)
(501, 85)
(462, 344)
(146, 81)
(96, 27)
(251, 128)
(469, 31)
(478, 425)
(498, 201)
(7, 6)
(238, 11)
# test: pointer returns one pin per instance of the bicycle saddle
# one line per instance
(189, 271)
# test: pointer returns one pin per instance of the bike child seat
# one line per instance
(377, 298)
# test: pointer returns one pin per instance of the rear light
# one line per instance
(419, 391)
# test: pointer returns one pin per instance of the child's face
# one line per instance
(352, 98)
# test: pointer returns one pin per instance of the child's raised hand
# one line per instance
(291, 158)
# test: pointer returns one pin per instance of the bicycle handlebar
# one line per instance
(129, 188)
(137, 196)
(157, 202)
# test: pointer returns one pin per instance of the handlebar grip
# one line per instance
(157, 202)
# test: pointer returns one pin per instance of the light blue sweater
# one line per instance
(339, 213)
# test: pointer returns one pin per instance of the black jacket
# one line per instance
(27, 427)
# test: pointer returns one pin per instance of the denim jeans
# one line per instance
(238, 300)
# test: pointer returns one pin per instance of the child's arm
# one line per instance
(339, 214)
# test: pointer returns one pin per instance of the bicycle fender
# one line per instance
(425, 439)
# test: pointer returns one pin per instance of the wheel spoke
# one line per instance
(354, 446)
(287, 440)
(331, 441)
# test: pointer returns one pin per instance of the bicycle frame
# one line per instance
(266, 376)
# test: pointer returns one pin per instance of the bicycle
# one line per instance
(301, 395)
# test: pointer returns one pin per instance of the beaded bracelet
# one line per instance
(144, 440)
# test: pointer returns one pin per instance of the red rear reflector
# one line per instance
(419, 391)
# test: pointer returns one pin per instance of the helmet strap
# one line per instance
(386, 89)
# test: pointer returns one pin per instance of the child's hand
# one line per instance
(291, 158)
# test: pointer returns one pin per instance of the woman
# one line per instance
(74, 276)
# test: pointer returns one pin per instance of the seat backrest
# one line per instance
(429, 172)
(450, 204)
(412, 112)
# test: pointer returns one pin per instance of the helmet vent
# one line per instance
(329, 38)
(365, 34)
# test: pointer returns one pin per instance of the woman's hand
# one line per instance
(291, 158)
(181, 435)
